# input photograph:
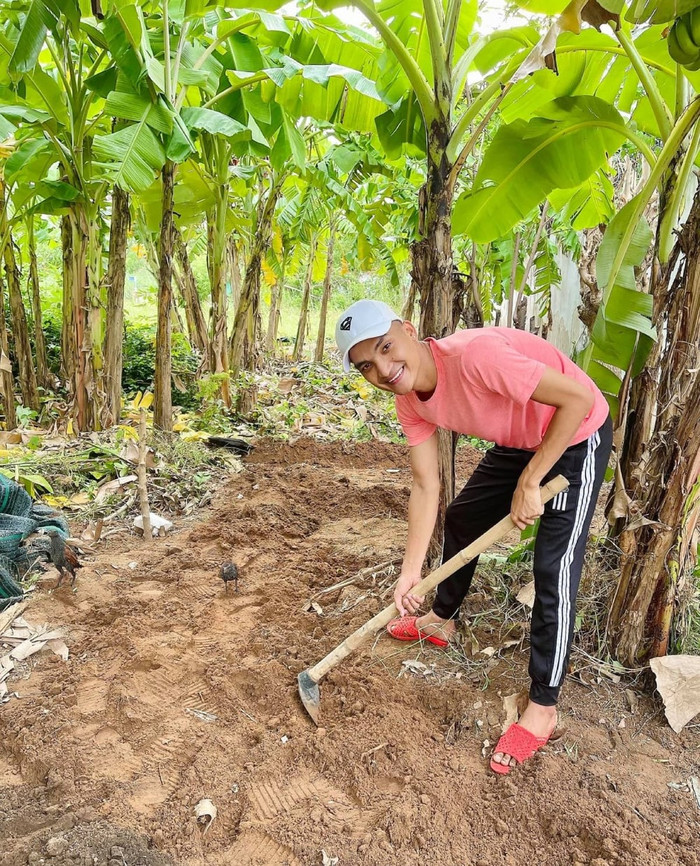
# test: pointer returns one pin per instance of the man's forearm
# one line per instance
(422, 512)
(562, 429)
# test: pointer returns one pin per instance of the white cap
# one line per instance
(362, 321)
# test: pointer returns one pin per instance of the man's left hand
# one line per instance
(526, 506)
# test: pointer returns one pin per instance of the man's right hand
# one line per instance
(406, 601)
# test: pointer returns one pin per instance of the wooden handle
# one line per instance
(482, 543)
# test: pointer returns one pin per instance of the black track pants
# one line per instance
(559, 548)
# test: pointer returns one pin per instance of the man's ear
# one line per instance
(409, 329)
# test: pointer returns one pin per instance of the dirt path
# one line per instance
(176, 690)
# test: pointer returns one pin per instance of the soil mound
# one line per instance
(177, 690)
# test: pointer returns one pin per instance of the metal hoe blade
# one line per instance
(310, 695)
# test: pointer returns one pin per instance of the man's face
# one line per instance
(389, 362)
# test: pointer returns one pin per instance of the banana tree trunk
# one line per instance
(440, 289)
(20, 331)
(79, 322)
(95, 297)
(273, 319)
(162, 394)
(216, 266)
(233, 269)
(242, 354)
(69, 350)
(660, 462)
(304, 311)
(6, 380)
(116, 280)
(196, 324)
(323, 315)
(43, 375)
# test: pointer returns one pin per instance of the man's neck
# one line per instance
(426, 380)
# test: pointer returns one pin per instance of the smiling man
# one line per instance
(546, 417)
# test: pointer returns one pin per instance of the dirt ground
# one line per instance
(176, 690)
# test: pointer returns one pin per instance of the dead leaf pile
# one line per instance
(678, 682)
(23, 640)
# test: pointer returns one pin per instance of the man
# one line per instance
(546, 417)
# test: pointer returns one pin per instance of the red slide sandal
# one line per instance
(404, 628)
(520, 744)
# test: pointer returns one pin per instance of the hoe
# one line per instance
(309, 679)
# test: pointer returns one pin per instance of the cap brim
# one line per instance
(377, 330)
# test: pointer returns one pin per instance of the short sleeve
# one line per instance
(415, 428)
(496, 366)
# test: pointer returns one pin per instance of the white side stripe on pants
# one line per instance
(564, 585)
(559, 501)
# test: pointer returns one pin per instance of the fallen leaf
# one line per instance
(313, 605)
(58, 647)
(205, 812)
(328, 860)
(632, 700)
(526, 595)
(78, 500)
(510, 708)
(488, 651)
(694, 783)
(111, 487)
(286, 385)
(10, 437)
(678, 682)
(414, 666)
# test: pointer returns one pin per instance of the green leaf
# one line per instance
(23, 112)
(58, 189)
(122, 49)
(609, 246)
(215, 122)
(402, 128)
(41, 16)
(296, 141)
(135, 106)
(131, 157)
(527, 160)
(622, 333)
(28, 155)
(103, 83)
(587, 206)
(657, 11)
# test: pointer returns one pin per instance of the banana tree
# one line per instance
(56, 113)
(43, 376)
(642, 345)
(20, 330)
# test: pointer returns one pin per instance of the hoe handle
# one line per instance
(482, 543)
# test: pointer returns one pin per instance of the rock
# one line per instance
(34, 857)
(321, 733)
(56, 846)
(116, 851)
(65, 822)
(425, 799)
(86, 815)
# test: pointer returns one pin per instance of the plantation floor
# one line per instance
(176, 691)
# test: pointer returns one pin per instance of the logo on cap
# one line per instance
(345, 324)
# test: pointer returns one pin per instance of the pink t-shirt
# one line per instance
(485, 379)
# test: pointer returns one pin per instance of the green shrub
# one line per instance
(139, 358)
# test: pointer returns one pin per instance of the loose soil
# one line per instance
(176, 690)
